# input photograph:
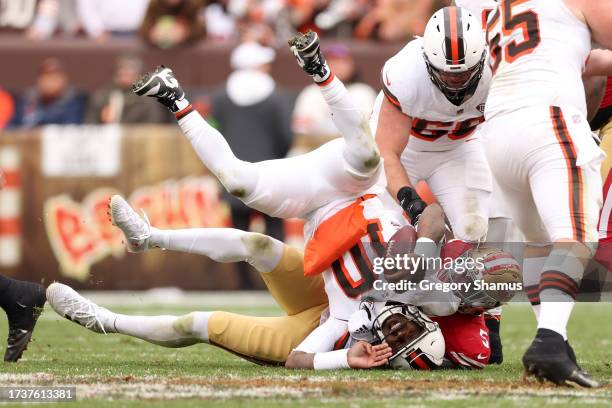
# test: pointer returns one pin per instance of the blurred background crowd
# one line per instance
(72, 62)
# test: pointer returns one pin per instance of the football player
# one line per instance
(434, 92)
(538, 132)
(22, 302)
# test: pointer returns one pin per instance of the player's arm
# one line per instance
(392, 137)
(360, 355)
(597, 14)
(599, 63)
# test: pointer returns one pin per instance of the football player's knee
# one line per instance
(257, 243)
(184, 324)
(235, 182)
(473, 227)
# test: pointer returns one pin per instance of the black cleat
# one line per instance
(547, 359)
(493, 324)
(307, 51)
(572, 356)
(29, 301)
(162, 85)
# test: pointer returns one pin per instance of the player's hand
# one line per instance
(2, 181)
(365, 355)
(411, 203)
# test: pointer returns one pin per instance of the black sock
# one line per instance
(5, 284)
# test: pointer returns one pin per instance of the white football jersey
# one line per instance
(352, 276)
(478, 8)
(537, 51)
(437, 124)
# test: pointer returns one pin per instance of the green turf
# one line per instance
(114, 369)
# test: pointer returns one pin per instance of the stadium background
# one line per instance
(61, 163)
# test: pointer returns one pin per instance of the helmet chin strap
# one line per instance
(456, 97)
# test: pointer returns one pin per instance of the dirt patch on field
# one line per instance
(297, 386)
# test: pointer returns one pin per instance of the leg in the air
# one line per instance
(360, 152)
(281, 267)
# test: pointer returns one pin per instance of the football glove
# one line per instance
(412, 204)
(360, 322)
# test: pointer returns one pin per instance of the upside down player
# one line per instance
(536, 116)
(22, 302)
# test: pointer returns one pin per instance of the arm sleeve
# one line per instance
(323, 338)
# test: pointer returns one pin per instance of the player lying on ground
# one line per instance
(267, 254)
(413, 338)
(336, 191)
(22, 302)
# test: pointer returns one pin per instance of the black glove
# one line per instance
(411, 203)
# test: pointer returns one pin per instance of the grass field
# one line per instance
(115, 370)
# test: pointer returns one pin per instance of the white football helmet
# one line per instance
(454, 49)
(415, 339)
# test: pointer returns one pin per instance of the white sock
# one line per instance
(559, 284)
(167, 331)
(223, 245)
(555, 316)
(361, 152)
(532, 269)
(212, 149)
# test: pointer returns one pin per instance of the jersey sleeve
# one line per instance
(324, 337)
(396, 80)
(479, 8)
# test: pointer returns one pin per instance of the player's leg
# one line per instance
(210, 145)
(359, 164)
(569, 209)
(285, 188)
(462, 183)
(280, 266)
(22, 302)
(264, 339)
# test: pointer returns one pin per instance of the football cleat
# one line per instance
(162, 85)
(28, 305)
(572, 356)
(136, 230)
(493, 323)
(307, 51)
(74, 307)
(547, 359)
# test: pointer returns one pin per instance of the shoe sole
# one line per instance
(302, 41)
(113, 222)
(110, 210)
(138, 87)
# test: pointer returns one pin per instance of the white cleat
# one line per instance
(74, 307)
(136, 230)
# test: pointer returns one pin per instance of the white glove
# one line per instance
(360, 322)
